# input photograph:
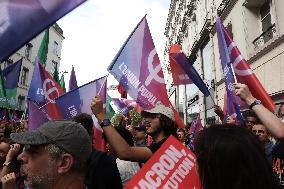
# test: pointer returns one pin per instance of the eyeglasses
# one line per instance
(258, 131)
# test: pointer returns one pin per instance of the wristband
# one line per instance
(105, 123)
(256, 102)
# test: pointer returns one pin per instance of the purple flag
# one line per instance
(124, 105)
(138, 69)
(232, 104)
(11, 75)
(22, 20)
(195, 127)
(79, 100)
(188, 68)
(36, 116)
(72, 80)
(43, 87)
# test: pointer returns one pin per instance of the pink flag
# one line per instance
(138, 69)
(245, 75)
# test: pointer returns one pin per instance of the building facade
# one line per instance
(256, 27)
(29, 52)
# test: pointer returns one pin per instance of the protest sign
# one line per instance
(171, 167)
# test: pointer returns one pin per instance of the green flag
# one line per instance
(43, 48)
(3, 99)
(62, 82)
(56, 73)
(109, 110)
(9, 79)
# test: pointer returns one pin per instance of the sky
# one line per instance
(96, 30)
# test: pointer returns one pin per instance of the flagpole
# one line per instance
(212, 99)
(233, 71)
(103, 84)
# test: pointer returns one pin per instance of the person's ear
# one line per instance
(65, 163)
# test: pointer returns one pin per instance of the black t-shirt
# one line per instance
(102, 172)
(278, 162)
(156, 145)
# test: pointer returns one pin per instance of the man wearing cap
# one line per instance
(159, 122)
(54, 155)
(140, 135)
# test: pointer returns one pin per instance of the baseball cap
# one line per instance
(69, 135)
(140, 127)
(161, 109)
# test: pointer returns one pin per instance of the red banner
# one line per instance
(171, 167)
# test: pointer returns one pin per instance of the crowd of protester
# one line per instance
(59, 154)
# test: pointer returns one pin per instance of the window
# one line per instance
(229, 29)
(266, 22)
(207, 63)
(54, 65)
(7, 63)
(21, 102)
(24, 77)
(28, 51)
(206, 53)
(55, 48)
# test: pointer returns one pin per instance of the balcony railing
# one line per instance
(222, 6)
(265, 36)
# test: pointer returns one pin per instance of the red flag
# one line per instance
(98, 141)
(178, 74)
(122, 92)
(44, 89)
(245, 75)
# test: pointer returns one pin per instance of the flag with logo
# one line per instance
(72, 80)
(138, 69)
(232, 106)
(79, 101)
(22, 20)
(243, 71)
(44, 89)
(10, 79)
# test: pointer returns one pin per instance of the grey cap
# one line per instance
(69, 135)
(161, 109)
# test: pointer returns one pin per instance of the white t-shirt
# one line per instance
(127, 170)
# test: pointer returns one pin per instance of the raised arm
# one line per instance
(118, 144)
(271, 121)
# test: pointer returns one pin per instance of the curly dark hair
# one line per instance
(86, 121)
(168, 125)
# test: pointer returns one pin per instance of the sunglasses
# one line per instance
(258, 131)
